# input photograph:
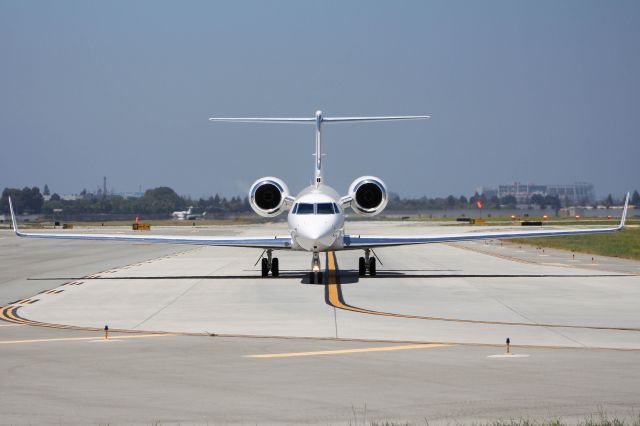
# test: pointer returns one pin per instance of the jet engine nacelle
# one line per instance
(368, 195)
(267, 196)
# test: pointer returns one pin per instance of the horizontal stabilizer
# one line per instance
(319, 118)
(361, 119)
(264, 120)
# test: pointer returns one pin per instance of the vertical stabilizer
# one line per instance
(318, 120)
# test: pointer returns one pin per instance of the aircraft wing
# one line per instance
(282, 242)
(358, 241)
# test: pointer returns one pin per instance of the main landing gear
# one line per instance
(367, 263)
(270, 264)
(315, 276)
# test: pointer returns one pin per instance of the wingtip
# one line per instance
(624, 211)
(14, 222)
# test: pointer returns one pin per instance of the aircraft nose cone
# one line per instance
(317, 238)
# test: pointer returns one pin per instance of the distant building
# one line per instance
(71, 197)
(576, 193)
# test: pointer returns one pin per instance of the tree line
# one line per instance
(164, 200)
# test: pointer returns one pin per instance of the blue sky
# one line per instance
(543, 91)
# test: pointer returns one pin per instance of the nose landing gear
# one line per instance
(367, 263)
(270, 264)
(315, 276)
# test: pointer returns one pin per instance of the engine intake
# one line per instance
(267, 196)
(368, 195)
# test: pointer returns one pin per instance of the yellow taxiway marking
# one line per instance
(335, 299)
(351, 351)
(71, 339)
(11, 325)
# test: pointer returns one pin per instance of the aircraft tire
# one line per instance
(275, 267)
(362, 267)
(265, 267)
(372, 266)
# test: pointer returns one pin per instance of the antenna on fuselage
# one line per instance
(318, 120)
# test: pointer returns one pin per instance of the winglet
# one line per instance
(14, 222)
(624, 212)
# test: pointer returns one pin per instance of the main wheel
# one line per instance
(275, 267)
(372, 266)
(265, 267)
(319, 278)
(362, 267)
(312, 277)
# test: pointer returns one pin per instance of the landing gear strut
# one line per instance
(315, 276)
(270, 264)
(367, 263)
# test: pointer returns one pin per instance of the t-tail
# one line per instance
(318, 120)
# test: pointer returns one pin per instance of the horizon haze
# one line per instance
(543, 92)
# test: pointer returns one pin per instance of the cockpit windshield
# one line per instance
(304, 208)
(320, 208)
(324, 208)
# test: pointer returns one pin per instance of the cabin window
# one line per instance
(325, 208)
(305, 208)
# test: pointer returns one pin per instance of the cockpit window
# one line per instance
(325, 208)
(336, 208)
(305, 208)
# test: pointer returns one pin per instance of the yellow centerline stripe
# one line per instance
(70, 339)
(350, 351)
(335, 299)
(11, 325)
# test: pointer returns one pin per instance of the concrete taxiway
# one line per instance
(204, 339)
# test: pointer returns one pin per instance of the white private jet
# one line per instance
(316, 215)
(187, 214)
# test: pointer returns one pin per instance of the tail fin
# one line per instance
(318, 120)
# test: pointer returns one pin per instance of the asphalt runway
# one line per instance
(196, 336)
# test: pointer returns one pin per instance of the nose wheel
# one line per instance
(367, 264)
(270, 264)
(316, 276)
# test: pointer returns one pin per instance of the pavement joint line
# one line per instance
(334, 297)
(350, 351)
(72, 339)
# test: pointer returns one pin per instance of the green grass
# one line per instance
(624, 244)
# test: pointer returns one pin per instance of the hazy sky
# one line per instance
(539, 91)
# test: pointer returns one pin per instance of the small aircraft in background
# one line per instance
(317, 214)
(187, 215)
